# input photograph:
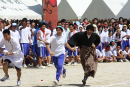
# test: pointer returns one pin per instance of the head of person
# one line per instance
(117, 26)
(84, 25)
(105, 27)
(118, 47)
(28, 23)
(90, 29)
(127, 48)
(85, 20)
(71, 27)
(112, 21)
(6, 34)
(110, 33)
(1, 25)
(33, 24)
(24, 22)
(100, 28)
(125, 21)
(107, 48)
(98, 23)
(59, 23)
(124, 27)
(120, 19)
(43, 26)
(105, 23)
(63, 21)
(110, 28)
(112, 42)
(80, 28)
(118, 31)
(59, 30)
(66, 25)
(95, 20)
(14, 26)
(4, 23)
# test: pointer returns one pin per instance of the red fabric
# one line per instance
(83, 23)
(73, 33)
(43, 32)
(117, 23)
(66, 23)
(107, 48)
(0, 22)
(105, 25)
(88, 22)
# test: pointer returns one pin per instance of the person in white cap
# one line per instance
(14, 32)
(13, 55)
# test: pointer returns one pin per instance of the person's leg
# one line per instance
(1, 62)
(5, 68)
(18, 73)
(70, 54)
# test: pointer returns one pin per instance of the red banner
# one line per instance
(50, 13)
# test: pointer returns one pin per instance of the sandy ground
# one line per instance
(108, 75)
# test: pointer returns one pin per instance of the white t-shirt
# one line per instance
(71, 34)
(115, 52)
(110, 39)
(48, 31)
(117, 37)
(57, 44)
(121, 26)
(66, 32)
(15, 34)
(123, 33)
(106, 54)
(104, 35)
(98, 53)
(24, 33)
(41, 43)
(112, 48)
(126, 52)
(5, 27)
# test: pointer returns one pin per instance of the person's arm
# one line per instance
(9, 24)
(38, 34)
(48, 48)
(29, 39)
(97, 41)
(68, 46)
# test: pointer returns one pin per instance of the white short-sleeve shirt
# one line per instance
(15, 34)
(106, 54)
(115, 52)
(98, 53)
(57, 44)
(125, 52)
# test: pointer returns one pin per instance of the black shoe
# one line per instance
(85, 79)
(64, 74)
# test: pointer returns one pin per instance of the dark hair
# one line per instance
(124, 20)
(90, 27)
(100, 27)
(119, 35)
(104, 22)
(71, 25)
(6, 31)
(127, 46)
(118, 45)
(95, 19)
(85, 19)
(107, 46)
(63, 20)
(120, 18)
(24, 20)
(59, 22)
(42, 24)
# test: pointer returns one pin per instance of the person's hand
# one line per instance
(47, 34)
(51, 53)
(75, 48)
(72, 49)
(30, 42)
(78, 49)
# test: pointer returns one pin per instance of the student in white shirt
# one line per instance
(118, 37)
(58, 51)
(5, 24)
(1, 37)
(28, 23)
(127, 53)
(80, 28)
(25, 40)
(128, 33)
(110, 37)
(71, 33)
(124, 37)
(12, 55)
(118, 53)
(99, 56)
(107, 54)
(112, 45)
(41, 41)
(104, 35)
(14, 32)
(66, 29)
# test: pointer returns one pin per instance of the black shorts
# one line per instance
(8, 61)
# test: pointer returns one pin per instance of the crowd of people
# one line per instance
(35, 42)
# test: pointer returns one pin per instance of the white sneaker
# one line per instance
(1, 67)
(41, 67)
(121, 60)
(18, 83)
(75, 64)
(56, 82)
(49, 65)
(37, 66)
(68, 64)
(5, 78)
(127, 60)
(64, 74)
(24, 66)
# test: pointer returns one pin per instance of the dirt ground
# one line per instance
(108, 75)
